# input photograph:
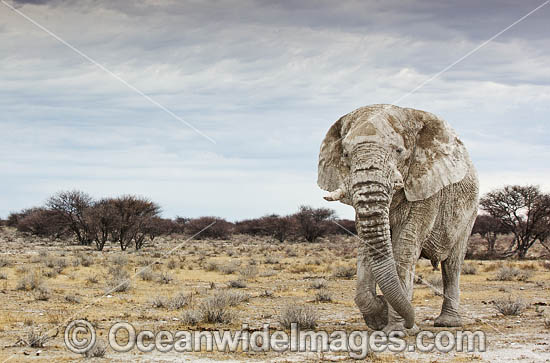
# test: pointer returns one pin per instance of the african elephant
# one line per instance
(415, 194)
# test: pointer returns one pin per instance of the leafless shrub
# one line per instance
(268, 273)
(211, 266)
(42, 222)
(215, 310)
(159, 302)
(50, 261)
(179, 301)
(237, 284)
(304, 316)
(232, 298)
(228, 269)
(3, 276)
(98, 351)
(145, 261)
(29, 282)
(120, 283)
(72, 299)
(271, 260)
(165, 278)
(323, 296)
(118, 273)
(36, 338)
(146, 274)
(92, 279)
(524, 275)
(266, 293)
(249, 272)
(469, 269)
(314, 261)
(209, 227)
(545, 264)
(508, 273)
(272, 225)
(318, 284)
(290, 252)
(191, 317)
(345, 272)
(49, 273)
(172, 264)
(313, 223)
(42, 293)
(120, 260)
(86, 260)
(510, 306)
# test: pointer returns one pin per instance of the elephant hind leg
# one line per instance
(450, 316)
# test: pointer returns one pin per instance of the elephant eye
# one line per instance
(399, 150)
(346, 154)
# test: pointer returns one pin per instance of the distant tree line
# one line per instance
(522, 211)
(135, 221)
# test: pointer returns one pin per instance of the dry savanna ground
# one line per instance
(222, 284)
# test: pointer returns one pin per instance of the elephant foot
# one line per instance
(399, 326)
(448, 320)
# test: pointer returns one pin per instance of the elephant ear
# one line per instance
(330, 159)
(439, 159)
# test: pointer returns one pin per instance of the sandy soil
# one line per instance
(276, 276)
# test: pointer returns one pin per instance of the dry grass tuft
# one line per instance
(29, 282)
(469, 269)
(323, 296)
(510, 306)
(344, 272)
(304, 316)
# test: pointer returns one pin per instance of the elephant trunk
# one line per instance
(371, 195)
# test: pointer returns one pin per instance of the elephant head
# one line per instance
(376, 151)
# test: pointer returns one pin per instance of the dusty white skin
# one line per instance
(415, 193)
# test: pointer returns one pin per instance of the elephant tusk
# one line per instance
(335, 195)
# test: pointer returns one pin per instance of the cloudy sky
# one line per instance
(264, 80)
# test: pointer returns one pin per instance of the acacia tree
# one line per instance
(131, 214)
(102, 220)
(278, 227)
(524, 210)
(312, 223)
(489, 227)
(72, 206)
